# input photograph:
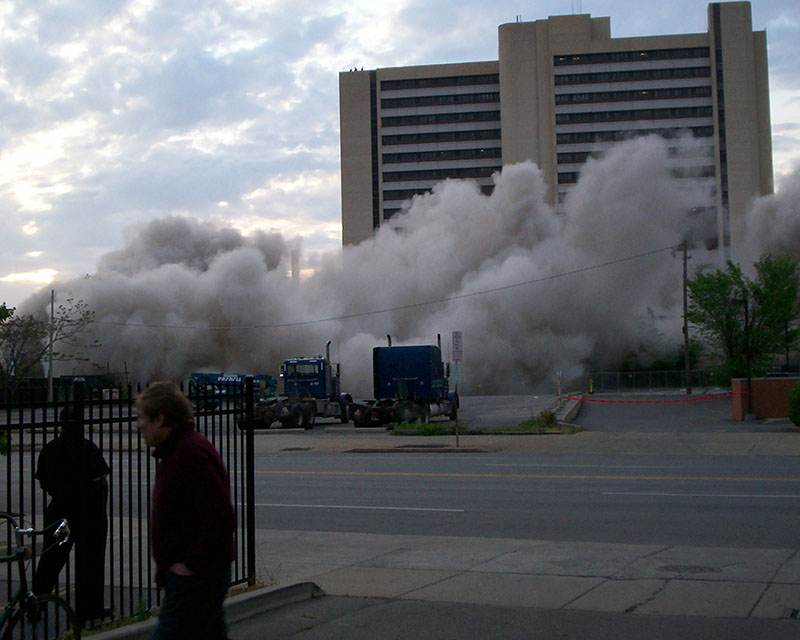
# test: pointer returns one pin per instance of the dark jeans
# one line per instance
(192, 607)
(88, 533)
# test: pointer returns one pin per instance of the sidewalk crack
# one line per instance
(635, 560)
(650, 598)
(770, 582)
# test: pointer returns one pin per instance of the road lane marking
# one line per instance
(525, 476)
(702, 495)
(349, 506)
(586, 466)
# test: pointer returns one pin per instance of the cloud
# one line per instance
(38, 277)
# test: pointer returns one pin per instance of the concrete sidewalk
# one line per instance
(751, 589)
(618, 578)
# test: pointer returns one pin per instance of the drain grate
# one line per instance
(690, 568)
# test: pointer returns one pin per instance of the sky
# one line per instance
(114, 114)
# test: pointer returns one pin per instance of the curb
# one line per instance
(356, 430)
(237, 608)
(277, 430)
(567, 410)
(419, 449)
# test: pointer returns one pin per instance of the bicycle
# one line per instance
(28, 616)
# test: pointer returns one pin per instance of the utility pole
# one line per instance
(50, 347)
(686, 360)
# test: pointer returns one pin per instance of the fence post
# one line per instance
(250, 461)
(79, 396)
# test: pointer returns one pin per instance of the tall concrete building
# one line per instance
(564, 90)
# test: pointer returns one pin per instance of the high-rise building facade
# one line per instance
(562, 91)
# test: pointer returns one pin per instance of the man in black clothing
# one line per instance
(72, 470)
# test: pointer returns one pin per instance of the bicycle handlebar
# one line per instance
(22, 552)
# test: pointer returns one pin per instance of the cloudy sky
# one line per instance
(114, 113)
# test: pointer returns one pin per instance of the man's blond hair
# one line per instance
(167, 400)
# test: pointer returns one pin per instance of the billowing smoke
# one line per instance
(773, 224)
(182, 296)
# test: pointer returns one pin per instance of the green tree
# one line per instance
(743, 321)
(780, 276)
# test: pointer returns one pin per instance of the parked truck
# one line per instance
(209, 390)
(410, 383)
(311, 389)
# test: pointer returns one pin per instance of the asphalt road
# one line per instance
(693, 500)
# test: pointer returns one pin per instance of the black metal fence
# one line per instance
(30, 421)
(615, 381)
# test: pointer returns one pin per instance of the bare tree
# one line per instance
(25, 340)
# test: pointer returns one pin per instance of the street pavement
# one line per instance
(402, 586)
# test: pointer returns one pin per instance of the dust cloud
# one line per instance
(773, 223)
(534, 291)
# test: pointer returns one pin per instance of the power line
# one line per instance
(397, 308)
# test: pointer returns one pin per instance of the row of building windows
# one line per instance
(571, 177)
(450, 154)
(632, 76)
(441, 136)
(693, 172)
(632, 56)
(405, 194)
(627, 96)
(440, 174)
(441, 118)
(435, 101)
(579, 157)
(449, 81)
(634, 114)
(580, 137)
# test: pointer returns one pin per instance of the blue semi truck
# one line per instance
(410, 384)
(311, 390)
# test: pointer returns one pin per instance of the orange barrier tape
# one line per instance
(697, 399)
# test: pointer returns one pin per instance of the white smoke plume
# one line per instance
(182, 296)
(773, 223)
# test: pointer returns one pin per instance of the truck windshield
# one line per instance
(302, 370)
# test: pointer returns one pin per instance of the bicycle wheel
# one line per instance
(48, 618)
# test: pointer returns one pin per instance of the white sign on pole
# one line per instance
(457, 346)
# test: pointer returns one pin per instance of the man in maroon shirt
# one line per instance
(192, 520)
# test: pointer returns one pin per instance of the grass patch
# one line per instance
(543, 423)
(422, 429)
(140, 615)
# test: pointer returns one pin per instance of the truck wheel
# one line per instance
(425, 413)
(361, 418)
(454, 414)
(408, 412)
(290, 421)
(344, 414)
(308, 417)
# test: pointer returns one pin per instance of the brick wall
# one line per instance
(770, 397)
